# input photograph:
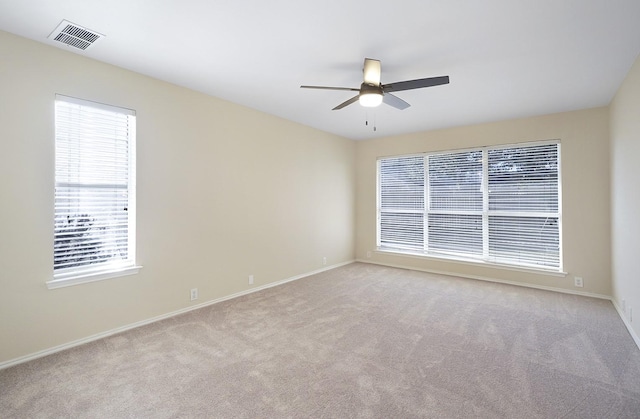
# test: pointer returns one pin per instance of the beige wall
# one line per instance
(585, 188)
(625, 196)
(223, 192)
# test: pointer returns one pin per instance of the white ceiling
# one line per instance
(506, 58)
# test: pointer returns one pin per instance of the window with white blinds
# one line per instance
(94, 188)
(493, 204)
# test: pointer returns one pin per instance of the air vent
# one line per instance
(74, 35)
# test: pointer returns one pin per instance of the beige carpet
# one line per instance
(357, 341)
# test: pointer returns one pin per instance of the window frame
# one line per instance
(485, 213)
(111, 268)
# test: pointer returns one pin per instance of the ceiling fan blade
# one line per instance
(394, 101)
(351, 89)
(415, 84)
(346, 103)
(372, 71)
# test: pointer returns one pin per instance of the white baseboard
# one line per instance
(626, 322)
(69, 345)
(487, 279)
(633, 334)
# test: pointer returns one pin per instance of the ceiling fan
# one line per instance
(371, 93)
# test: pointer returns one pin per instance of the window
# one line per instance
(94, 225)
(495, 204)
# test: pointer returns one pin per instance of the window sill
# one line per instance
(77, 278)
(473, 262)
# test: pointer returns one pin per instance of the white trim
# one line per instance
(626, 322)
(472, 262)
(524, 143)
(99, 105)
(98, 336)
(62, 282)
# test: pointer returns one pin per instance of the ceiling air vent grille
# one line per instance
(74, 35)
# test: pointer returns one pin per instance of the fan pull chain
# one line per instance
(366, 120)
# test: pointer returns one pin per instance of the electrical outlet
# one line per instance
(577, 280)
(324, 260)
(368, 254)
(194, 294)
(250, 279)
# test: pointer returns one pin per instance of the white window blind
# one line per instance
(524, 204)
(94, 187)
(455, 203)
(495, 204)
(401, 190)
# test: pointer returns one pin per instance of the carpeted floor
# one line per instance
(358, 341)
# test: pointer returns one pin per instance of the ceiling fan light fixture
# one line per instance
(370, 95)
(370, 100)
